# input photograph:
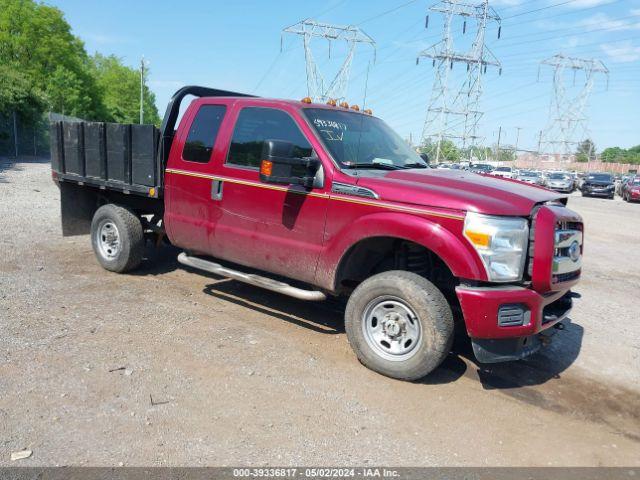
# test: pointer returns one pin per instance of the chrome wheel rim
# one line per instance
(108, 240)
(391, 328)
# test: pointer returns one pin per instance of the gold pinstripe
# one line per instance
(339, 198)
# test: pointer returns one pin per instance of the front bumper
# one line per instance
(598, 192)
(494, 343)
(481, 305)
(562, 189)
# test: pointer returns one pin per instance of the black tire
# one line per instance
(431, 311)
(129, 250)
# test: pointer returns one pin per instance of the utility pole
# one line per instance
(568, 122)
(515, 150)
(308, 29)
(143, 65)
(463, 103)
(517, 138)
(15, 132)
(497, 154)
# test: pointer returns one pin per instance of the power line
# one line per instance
(387, 12)
(620, 26)
(445, 103)
(540, 9)
(351, 35)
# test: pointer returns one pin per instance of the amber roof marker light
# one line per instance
(332, 102)
(306, 100)
(355, 108)
(344, 104)
(368, 111)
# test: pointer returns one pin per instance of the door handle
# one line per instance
(216, 190)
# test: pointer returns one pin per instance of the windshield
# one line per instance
(503, 169)
(530, 174)
(355, 139)
(481, 166)
(635, 181)
(600, 177)
(558, 176)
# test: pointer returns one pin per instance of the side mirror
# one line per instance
(280, 166)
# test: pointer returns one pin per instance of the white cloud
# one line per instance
(603, 21)
(506, 3)
(588, 3)
(622, 52)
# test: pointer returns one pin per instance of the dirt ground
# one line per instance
(169, 367)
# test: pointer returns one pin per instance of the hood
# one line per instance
(451, 189)
(598, 183)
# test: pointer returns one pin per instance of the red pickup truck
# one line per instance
(315, 200)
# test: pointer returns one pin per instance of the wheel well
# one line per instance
(380, 254)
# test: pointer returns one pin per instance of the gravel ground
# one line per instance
(169, 367)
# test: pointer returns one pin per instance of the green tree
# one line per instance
(586, 151)
(120, 87)
(448, 151)
(36, 41)
(621, 155)
(17, 94)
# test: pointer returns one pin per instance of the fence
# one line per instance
(542, 163)
(26, 136)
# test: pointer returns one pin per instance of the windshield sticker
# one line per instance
(329, 124)
(332, 136)
(330, 129)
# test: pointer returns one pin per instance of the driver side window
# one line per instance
(257, 124)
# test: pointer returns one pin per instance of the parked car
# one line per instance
(504, 172)
(598, 185)
(575, 178)
(621, 184)
(312, 201)
(482, 168)
(530, 176)
(631, 189)
(560, 182)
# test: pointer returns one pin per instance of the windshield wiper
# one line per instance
(378, 166)
(414, 165)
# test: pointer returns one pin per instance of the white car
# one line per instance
(504, 172)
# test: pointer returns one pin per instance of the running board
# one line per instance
(250, 278)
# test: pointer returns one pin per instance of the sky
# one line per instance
(238, 45)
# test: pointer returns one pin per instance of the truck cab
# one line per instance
(316, 200)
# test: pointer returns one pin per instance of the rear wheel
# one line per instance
(399, 324)
(117, 238)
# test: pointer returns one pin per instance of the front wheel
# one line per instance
(117, 238)
(399, 324)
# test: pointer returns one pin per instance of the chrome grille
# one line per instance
(567, 257)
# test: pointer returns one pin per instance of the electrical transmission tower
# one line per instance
(568, 122)
(454, 113)
(317, 89)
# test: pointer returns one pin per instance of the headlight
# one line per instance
(501, 243)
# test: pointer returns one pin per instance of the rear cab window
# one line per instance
(203, 133)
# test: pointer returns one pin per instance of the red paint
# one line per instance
(480, 310)
(304, 235)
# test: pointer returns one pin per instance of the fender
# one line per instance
(443, 238)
